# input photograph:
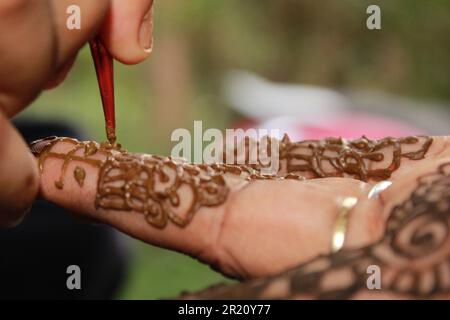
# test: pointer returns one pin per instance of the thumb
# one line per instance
(19, 179)
(128, 30)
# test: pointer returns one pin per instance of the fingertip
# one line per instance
(128, 31)
(124, 50)
(59, 183)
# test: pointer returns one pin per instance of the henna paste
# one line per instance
(111, 135)
(79, 175)
(337, 157)
(151, 185)
(42, 149)
(413, 256)
(361, 159)
(147, 184)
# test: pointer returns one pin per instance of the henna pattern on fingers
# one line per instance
(361, 159)
(161, 188)
(152, 185)
(413, 255)
(142, 183)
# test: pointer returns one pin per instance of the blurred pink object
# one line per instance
(305, 111)
(356, 125)
(348, 126)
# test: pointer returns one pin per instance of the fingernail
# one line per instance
(36, 147)
(146, 31)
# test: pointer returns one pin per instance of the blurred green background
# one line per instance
(322, 42)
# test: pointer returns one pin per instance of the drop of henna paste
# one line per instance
(59, 184)
(111, 135)
(79, 175)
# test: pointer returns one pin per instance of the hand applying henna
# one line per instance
(207, 211)
(126, 30)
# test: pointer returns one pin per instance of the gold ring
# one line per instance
(347, 205)
(340, 228)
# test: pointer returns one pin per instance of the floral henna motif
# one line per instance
(81, 151)
(333, 157)
(413, 256)
(361, 159)
(151, 185)
(137, 182)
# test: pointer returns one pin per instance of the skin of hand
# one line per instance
(37, 51)
(262, 229)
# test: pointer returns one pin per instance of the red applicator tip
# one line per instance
(104, 68)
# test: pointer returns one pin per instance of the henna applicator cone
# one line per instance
(104, 68)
